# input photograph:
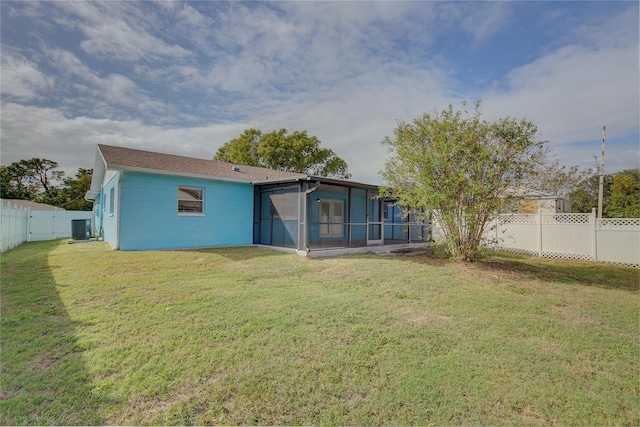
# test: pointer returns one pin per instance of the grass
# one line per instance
(253, 336)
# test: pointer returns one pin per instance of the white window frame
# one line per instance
(187, 213)
(330, 229)
(112, 201)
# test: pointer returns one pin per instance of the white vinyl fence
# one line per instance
(14, 223)
(26, 225)
(571, 236)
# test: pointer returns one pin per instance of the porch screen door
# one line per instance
(375, 230)
(331, 218)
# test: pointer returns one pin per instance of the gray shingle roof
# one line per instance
(128, 158)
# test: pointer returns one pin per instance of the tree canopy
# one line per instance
(625, 195)
(295, 152)
(30, 179)
(559, 180)
(37, 180)
(584, 197)
(458, 167)
(620, 197)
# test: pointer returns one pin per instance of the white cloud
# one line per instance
(21, 79)
(572, 87)
(571, 92)
(46, 132)
(353, 120)
(484, 22)
(119, 30)
(342, 71)
(111, 91)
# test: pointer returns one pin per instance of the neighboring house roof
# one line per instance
(530, 193)
(35, 206)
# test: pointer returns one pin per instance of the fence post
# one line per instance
(540, 233)
(28, 224)
(15, 220)
(594, 234)
(53, 222)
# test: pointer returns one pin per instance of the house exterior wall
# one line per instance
(551, 205)
(547, 206)
(149, 216)
(108, 218)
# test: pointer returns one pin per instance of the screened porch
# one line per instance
(327, 214)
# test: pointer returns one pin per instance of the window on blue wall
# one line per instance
(190, 200)
(111, 200)
(388, 206)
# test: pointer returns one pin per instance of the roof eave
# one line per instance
(176, 173)
(281, 180)
(97, 176)
(336, 181)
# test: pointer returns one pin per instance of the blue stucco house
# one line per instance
(145, 200)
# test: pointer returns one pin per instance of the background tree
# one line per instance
(625, 195)
(585, 196)
(9, 185)
(556, 179)
(32, 179)
(459, 167)
(296, 152)
(242, 150)
(71, 195)
(37, 180)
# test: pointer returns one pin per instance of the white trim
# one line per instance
(189, 187)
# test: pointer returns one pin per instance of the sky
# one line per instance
(186, 77)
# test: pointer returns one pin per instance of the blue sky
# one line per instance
(185, 77)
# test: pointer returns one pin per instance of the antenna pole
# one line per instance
(601, 185)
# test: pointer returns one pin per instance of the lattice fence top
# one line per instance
(567, 218)
(518, 219)
(547, 218)
(618, 222)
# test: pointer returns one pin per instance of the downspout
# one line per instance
(306, 216)
(119, 188)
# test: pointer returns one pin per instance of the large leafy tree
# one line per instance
(584, 197)
(32, 179)
(71, 195)
(38, 180)
(625, 195)
(295, 152)
(460, 167)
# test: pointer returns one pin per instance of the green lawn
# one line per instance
(254, 336)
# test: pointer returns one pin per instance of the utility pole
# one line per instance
(601, 185)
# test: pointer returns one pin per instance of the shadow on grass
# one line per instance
(241, 253)
(44, 377)
(607, 276)
(585, 273)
